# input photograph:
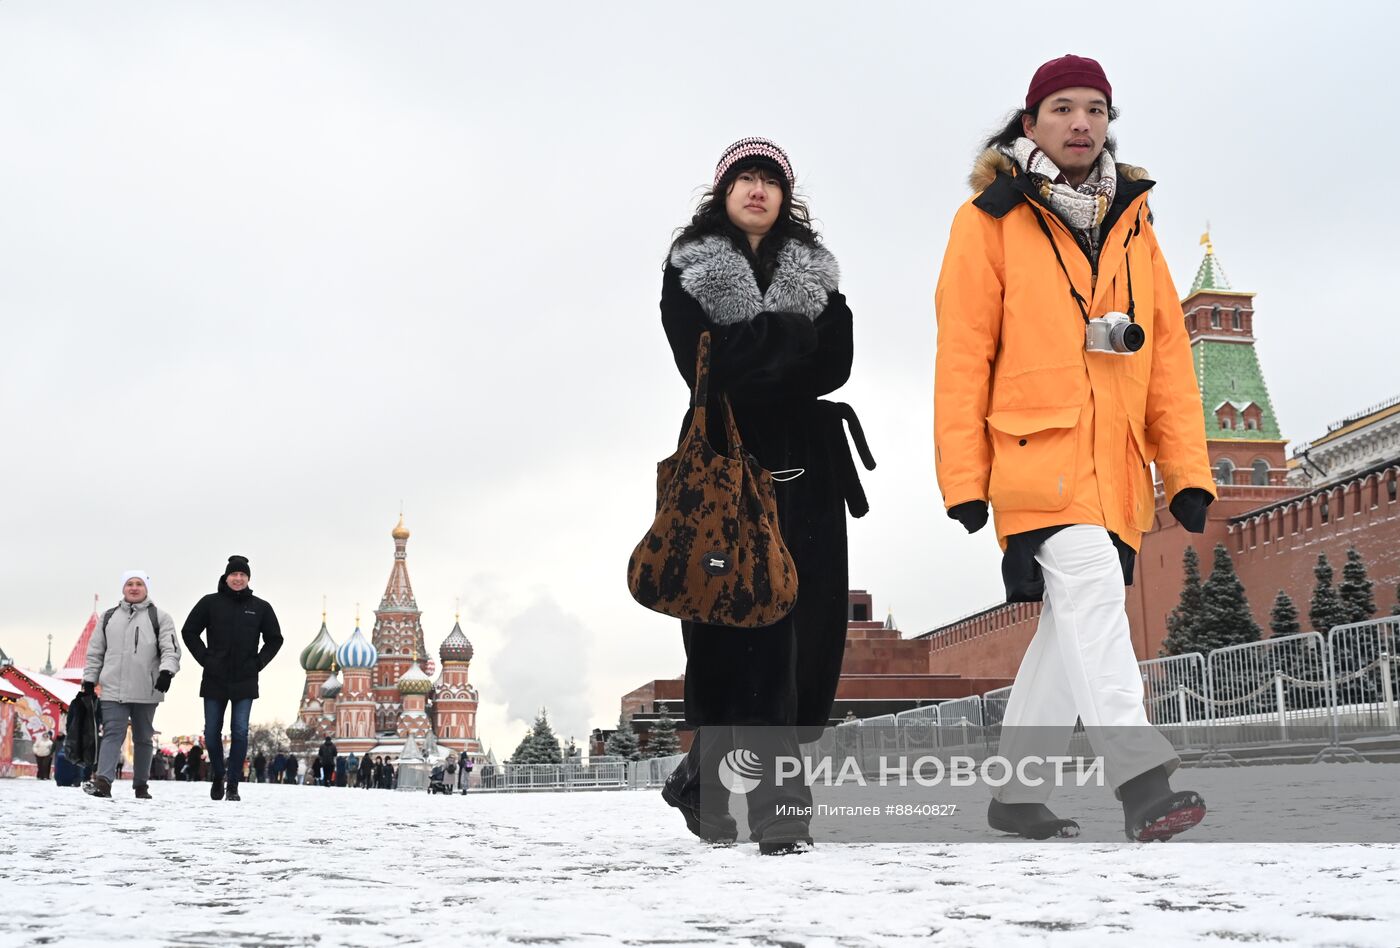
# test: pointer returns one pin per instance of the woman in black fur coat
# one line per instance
(750, 271)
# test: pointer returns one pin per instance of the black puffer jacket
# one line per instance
(232, 659)
(80, 744)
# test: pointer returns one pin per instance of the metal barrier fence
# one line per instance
(1296, 688)
(1174, 695)
(994, 706)
(651, 772)
(1261, 689)
(412, 775)
(1366, 675)
(1254, 694)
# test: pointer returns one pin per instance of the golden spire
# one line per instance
(400, 532)
(357, 615)
(323, 608)
(457, 616)
(1205, 241)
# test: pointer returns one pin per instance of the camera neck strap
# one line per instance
(1078, 299)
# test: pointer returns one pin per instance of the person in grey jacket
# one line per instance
(133, 654)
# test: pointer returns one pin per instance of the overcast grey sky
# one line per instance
(268, 269)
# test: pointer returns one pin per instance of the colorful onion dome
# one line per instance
(456, 648)
(415, 682)
(357, 652)
(400, 532)
(298, 731)
(320, 654)
(331, 686)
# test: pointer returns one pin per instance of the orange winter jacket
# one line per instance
(1024, 417)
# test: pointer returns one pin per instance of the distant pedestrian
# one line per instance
(194, 764)
(292, 767)
(464, 772)
(340, 771)
(43, 755)
(366, 772)
(352, 770)
(260, 767)
(234, 620)
(133, 654)
(277, 768)
(179, 765)
(326, 759)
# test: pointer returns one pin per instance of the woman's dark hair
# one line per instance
(1013, 129)
(793, 222)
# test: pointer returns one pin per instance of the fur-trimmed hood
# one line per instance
(722, 281)
(993, 160)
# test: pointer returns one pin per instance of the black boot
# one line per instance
(233, 793)
(1151, 811)
(718, 828)
(143, 792)
(1031, 820)
(98, 787)
(216, 788)
(783, 837)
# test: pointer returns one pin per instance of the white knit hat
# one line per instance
(137, 574)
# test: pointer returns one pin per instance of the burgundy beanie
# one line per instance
(1065, 73)
(754, 148)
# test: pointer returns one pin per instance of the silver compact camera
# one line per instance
(1115, 333)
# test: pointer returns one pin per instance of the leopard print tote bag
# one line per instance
(714, 553)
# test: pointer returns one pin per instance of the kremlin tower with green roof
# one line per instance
(1242, 430)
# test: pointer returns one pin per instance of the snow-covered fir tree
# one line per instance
(1182, 625)
(1284, 618)
(623, 742)
(543, 743)
(1226, 618)
(1325, 610)
(522, 752)
(663, 742)
(1355, 593)
(1299, 658)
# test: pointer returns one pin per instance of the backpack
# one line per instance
(155, 624)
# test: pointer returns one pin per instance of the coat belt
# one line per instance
(851, 488)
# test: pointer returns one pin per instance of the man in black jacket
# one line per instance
(234, 619)
(326, 758)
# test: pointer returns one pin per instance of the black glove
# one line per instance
(1189, 508)
(89, 688)
(971, 514)
(163, 682)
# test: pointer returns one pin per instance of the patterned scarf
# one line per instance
(1082, 208)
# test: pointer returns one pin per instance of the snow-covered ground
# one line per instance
(308, 865)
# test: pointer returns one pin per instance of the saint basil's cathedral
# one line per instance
(378, 696)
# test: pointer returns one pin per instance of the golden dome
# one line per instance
(400, 531)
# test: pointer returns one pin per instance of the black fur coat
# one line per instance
(776, 349)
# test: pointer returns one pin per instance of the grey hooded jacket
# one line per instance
(125, 659)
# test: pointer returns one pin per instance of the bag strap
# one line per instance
(701, 397)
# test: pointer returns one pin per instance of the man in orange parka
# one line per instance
(1063, 373)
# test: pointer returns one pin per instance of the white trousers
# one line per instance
(1080, 666)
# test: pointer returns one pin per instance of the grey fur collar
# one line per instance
(723, 283)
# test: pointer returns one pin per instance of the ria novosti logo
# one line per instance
(740, 770)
